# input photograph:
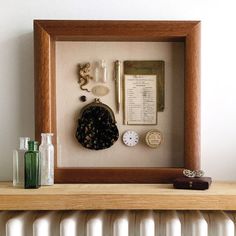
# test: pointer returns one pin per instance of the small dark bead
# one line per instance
(83, 98)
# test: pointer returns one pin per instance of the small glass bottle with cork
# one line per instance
(32, 166)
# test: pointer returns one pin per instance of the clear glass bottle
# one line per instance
(96, 72)
(46, 150)
(18, 162)
(103, 71)
(32, 166)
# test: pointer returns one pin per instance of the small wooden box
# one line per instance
(192, 183)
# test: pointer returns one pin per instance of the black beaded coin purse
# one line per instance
(97, 126)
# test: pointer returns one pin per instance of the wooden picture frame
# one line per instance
(47, 32)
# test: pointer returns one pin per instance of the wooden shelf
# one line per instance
(221, 196)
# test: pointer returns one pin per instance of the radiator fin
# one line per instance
(120, 222)
(194, 224)
(220, 224)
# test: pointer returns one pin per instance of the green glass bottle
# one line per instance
(32, 166)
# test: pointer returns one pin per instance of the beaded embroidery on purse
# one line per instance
(97, 128)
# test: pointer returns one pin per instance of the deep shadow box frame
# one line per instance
(47, 32)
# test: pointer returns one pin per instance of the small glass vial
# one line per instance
(96, 72)
(46, 150)
(18, 162)
(103, 71)
(32, 166)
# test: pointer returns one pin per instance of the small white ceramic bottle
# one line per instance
(46, 150)
(18, 162)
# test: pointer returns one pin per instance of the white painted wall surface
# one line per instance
(218, 67)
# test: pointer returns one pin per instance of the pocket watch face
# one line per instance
(130, 138)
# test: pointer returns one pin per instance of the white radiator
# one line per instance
(117, 223)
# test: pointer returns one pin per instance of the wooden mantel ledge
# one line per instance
(221, 196)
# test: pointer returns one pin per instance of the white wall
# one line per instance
(218, 67)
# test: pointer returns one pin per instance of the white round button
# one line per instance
(130, 138)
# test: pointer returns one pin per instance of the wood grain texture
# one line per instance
(45, 84)
(87, 30)
(117, 175)
(221, 196)
(47, 32)
(44, 65)
(192, 99)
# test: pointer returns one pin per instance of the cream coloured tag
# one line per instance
(100, 90)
